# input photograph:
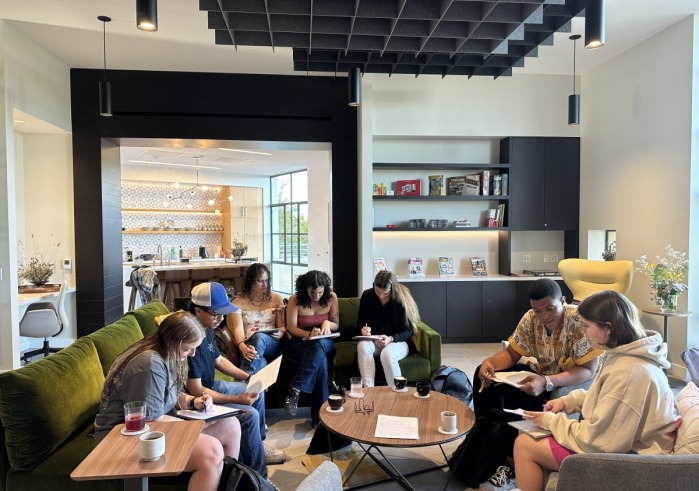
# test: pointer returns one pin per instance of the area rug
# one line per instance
(345, 460)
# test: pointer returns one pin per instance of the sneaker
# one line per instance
(504, 478)
(292, 402)
(274, 456)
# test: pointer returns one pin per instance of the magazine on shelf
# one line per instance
(455, 185)
(415, 268)
(472, 185)
(436, 185)
(446, 266)
(379, 264)
(408, 188)
(478, 266)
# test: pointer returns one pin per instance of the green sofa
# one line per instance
(48, 407)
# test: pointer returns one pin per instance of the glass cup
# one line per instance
(135, 415)
(356, 387)
(448, 420)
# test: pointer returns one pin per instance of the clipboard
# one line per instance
(217, 412)
(372, 337)
(322, 336)
(265, 377)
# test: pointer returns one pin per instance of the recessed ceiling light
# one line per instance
(173, 164)
(20, 121)
(244, 151)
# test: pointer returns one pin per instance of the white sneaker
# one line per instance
(274, 456)
(503, 479)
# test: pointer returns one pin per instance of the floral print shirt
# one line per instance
(253, 320)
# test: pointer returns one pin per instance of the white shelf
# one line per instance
(166, 210)
(171, 232)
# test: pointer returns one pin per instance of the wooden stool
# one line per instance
(231, 278)
(201, 275)
(175, 285)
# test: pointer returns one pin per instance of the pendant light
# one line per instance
(105, 86)
(574, 99)
(354, 79)
(147, 15)
(594, 24)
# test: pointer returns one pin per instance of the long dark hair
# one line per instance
(385, 280)
(313, 280)
(254, 272)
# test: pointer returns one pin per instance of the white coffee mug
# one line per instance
(448, 421)
(152, 445)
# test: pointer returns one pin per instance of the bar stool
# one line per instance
(175, 285)
(201, 275)
(231, 277)
(144, 281)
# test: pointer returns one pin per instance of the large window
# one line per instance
(289, 219)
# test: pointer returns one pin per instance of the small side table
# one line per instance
(666, 315)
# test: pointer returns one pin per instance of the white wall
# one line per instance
(638, 149)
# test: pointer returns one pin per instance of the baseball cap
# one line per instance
(214, 296)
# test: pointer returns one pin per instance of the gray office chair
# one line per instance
(44, 320)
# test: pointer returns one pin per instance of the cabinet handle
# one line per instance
(245, 211)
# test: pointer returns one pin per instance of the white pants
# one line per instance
(367, 350)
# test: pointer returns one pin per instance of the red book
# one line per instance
(410, 187)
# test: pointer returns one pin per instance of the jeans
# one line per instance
(267, 348)
(389, 355)
(252, 425)
(312, 376)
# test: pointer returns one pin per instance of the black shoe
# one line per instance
(292, 402)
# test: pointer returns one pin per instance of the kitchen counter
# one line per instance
(192, 264)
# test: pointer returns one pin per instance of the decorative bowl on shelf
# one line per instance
(189, 228)
(146, 229)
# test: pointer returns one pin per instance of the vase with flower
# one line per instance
(238, 249)
(40, 267)
(667, 276)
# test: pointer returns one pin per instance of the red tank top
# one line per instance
(308, 322)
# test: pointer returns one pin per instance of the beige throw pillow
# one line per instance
(688, 432)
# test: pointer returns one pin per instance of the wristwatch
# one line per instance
(549, 383)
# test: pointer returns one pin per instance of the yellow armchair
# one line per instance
(585, 276)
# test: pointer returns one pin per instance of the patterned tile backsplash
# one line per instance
(140, 196)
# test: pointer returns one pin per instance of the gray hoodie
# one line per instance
(628, 408)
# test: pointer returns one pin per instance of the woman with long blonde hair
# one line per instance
(386, 310)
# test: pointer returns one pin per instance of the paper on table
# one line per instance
(511, 378)
(323, 336)
(396, 427)
(530, 428)
(518, 412)
(265, 377)
(215, 412)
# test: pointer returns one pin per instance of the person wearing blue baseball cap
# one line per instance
(209, 304)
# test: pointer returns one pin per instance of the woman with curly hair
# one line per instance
(312, 311)
(154, 370)
(261, 309)
(387, 310)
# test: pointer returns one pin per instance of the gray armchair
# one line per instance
(324, 478)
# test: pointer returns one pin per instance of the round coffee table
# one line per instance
(358, 420)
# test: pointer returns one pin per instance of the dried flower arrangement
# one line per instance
(39, 269)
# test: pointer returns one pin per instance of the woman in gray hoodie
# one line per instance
(629, 408)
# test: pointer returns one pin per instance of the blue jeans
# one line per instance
(267, 348)
(312, 376)
(252, 425)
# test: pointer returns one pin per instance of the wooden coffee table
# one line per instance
(357, 422)
(116, 457)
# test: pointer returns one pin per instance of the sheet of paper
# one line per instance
(518, 412)
(396, 427)
(511, 378)
(215, 412)
(323, 336)
(265, 377)
(529, 428)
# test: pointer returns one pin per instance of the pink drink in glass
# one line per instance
(135, 421)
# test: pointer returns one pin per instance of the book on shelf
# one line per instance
(500, 215)
(415, 268)
(436, 185)
(478, 266)
(485, 182)
(446, 266)
(410, 187)
(455, 185)
(472, 185)
(462, 223)
(540, 272)
(379, 264)
(497, 185)
(505, 184)
(491, 217)
(379, 189)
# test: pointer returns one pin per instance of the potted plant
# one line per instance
(238, 249)
(37, 270)
(666, 276)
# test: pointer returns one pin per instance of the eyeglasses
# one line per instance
(212, 314)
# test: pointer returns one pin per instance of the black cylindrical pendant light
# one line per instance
(574, 99)
(105, 86)
(355, 86)
(594, 24)
(147, 15)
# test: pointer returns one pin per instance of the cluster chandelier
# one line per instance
(186, 194)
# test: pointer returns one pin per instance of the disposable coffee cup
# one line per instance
(448, 419)
(152, 445)
(335, 402)
(400, 383)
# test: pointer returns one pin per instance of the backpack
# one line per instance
(237, 476)
(453, 382)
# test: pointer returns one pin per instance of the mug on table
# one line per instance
(448, 420)
(152, 445)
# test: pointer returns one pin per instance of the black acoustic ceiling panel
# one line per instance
(430, 37)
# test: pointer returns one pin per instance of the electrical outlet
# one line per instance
(526, 258)
(546, 258)
(554, 258)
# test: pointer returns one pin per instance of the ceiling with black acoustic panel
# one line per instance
(417, 37)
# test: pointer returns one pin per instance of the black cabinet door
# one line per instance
(431, 299)
(527, 183)
(464, 310)
(498, 303)
(562, 184)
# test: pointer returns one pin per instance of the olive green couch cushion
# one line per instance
(146, 314)
(112, 340)
(46, 402)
